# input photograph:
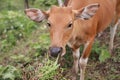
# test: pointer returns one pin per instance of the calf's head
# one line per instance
(60, 21)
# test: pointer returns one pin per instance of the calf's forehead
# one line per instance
(60, 9)
(61, 14)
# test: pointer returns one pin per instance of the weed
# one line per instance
(9, 73)
(100, 50)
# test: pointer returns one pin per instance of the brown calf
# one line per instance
(76, 24)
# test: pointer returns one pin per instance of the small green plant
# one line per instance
(49, 69)
(9, 73)
(104, 55)
(101, 50)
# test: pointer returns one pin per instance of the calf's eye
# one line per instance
(70, 25)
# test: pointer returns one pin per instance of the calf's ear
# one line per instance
(86, 12)
(36, 15)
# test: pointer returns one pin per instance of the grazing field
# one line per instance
(24, 44)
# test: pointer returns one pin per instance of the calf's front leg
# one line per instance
(76, 55)
(84, 58)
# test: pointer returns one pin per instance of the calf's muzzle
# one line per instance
(54, 51)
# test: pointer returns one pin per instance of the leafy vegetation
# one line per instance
(14, 27)
(9, 73)
(24, 44)
(101, 51)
